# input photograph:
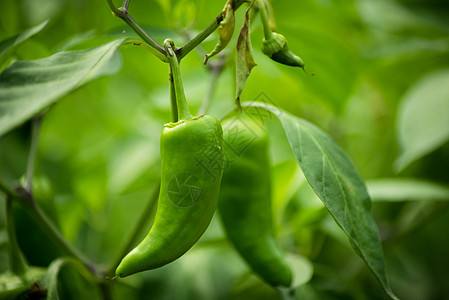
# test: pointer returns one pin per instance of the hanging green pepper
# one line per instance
(192, 165)
(245, 200)
(275, 47)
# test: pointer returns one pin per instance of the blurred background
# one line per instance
(380, 90)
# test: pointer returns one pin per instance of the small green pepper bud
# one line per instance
(276, 48)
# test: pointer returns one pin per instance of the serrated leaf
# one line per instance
(337, 183)
(423, 118)
(245, 61)
(225, 30)
(406, 189)
(15, 40)
(27, 87)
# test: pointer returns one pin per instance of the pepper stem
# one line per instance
(175, 74)
(264, 17)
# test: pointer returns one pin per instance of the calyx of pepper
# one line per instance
(276, 48)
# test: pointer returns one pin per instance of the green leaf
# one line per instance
(50, 280)
(27, 87)
(336, 182)
(406, 189)
(15, 40)
(423, 118)
(245, 61)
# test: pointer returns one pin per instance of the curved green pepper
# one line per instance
(192, 162)
(245, 200)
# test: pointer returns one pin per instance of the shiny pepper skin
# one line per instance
(192, 165)
(245, 201)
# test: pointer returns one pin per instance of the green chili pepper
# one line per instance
(191, 169)
(245, 200)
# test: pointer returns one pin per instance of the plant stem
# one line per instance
(265, 21)
(125, 4)
(137, 42)
(181, 102)
(215, 68)
(123, 14)
(36, 125)
(53, 233)
(17, 263)
(181, 52)
(200, 37)
(139, 228)
(199, 49)
(174, 107)
(26, 200)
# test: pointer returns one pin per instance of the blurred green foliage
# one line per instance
(99, 146)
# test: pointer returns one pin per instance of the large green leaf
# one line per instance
(27, 87)
(336, 182)
(423, 117)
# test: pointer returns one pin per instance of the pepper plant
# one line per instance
(330, 178)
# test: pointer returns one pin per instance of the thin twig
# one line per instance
(140, 43)
(199, 49)
(200, 37)
(123, 14)
(181, 52)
